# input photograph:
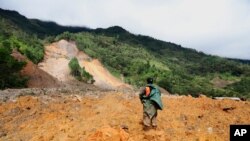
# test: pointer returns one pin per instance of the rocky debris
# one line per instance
(124, 127)
(13, 112)
(95, 115)
(210, 130)
(183, 117)
(78, 98)
(200, 116)
(153, 135)
(3, 134)
(108, 134)
(227, 109)
(12, 94)
(202, 96)
(231, 98)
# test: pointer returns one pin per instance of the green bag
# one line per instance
(154, 96)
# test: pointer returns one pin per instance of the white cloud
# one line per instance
(220, 27)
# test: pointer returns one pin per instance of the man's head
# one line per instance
(150, 80)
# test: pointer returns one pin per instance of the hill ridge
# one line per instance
(133, 57)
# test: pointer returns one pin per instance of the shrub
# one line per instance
(9, 68)
(78, 72)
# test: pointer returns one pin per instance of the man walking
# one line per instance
(151, 99)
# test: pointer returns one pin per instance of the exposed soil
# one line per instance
(38, 78)
(101, 75)
(115, 116)
(56, 60)
(220, 83)
(72, 111)
(58, 55)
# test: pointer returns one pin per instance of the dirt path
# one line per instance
(111, 116)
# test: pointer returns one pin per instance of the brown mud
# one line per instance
(115, 116)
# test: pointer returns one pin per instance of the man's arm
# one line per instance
(147, 91)
(145, 94)
(141, 94)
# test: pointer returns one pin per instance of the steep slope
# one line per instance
(176, 69)
(56, 59)
(101, 75)
(37, 77)
(134, 57)
(58, 55)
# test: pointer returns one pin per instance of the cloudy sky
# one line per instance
(218, 27)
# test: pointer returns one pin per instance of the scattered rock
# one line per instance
(200, 116)
(227, 109)
(210, 130)
(154, 136)
(202, 96)
(231, 98)
(183, 117)
(124, 127)
(51, 119)
(2, 134)
(13, 112)
(191, 128)
(79, 99)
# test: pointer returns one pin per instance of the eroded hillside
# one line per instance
(58, 55)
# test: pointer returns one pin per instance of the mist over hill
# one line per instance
(127, 56)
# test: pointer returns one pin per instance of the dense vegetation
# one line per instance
(25, 35)
(191, 72)
(12, 37)
(9, 68)
(78, 72)
(121, 59)
(177, 69)
(133, 57)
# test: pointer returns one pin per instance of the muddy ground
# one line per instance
(92, 115)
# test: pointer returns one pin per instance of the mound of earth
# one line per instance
(38, 78)
(115, 116)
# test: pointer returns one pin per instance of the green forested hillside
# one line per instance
(25, 35)
(135, 57)
(13, 37)
(177, 69)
